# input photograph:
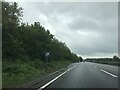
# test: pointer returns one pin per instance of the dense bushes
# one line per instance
(19, 72)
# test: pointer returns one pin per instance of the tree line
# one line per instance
(111, 61)
(29, 41)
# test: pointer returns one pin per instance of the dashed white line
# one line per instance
(108, 73)
(55, 78)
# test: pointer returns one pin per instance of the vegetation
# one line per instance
(18, 72)
(111, 61)
(24, 47)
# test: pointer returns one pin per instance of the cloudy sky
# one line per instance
(88, 28)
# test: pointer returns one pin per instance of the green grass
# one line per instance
(19, 72)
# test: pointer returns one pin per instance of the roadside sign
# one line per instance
(47, 54)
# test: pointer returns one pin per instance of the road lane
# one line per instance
(109, 68)
(86, 75)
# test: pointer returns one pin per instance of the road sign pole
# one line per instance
(47, 55)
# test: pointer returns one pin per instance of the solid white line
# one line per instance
(94, 66)
(108, 73)
(51, 81)
(71, 68)
(55, 78)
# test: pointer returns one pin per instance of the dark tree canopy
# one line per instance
(24, 41)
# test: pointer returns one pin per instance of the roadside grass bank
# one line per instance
(19, 72)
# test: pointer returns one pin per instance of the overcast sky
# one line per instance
(89, 29)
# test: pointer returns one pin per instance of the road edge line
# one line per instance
(44, 86)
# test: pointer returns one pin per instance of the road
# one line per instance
(86, 75)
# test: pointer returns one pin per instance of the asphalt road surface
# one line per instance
(86, 75)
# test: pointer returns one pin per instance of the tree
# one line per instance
(80, 59)
(115, 58)
(11, 14)
(21, 40)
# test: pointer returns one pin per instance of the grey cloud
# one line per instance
(88, 29)
(83, 24)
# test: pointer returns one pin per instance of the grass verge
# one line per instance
(19, 72)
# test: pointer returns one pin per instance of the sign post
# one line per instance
(47, 56)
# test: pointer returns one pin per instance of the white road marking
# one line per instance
(94, 66)
(55, 78)
(108, 73)
(51, 81)
(71, 68)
